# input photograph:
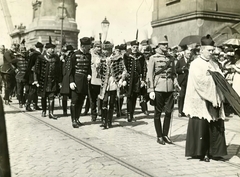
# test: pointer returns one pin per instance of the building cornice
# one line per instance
(220, 16)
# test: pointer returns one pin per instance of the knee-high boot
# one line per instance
(44, 107)
(105, 118)
(51, 108)
(73, 116)
(110, 117)
(64, 106)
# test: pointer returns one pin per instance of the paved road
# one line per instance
(44, 147)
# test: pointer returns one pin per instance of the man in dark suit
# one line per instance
(80, 74)
(182, 67)
(8, 71)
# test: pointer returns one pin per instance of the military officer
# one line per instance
(135, 63)
(161, 78)
(48, 78)
(80, 74)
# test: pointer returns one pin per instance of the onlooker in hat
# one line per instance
(182, 67)
(161, 79)
(65, 62)
(29, 77)
(135, 64)
(204, 106)
(48, 78)
(80, 74)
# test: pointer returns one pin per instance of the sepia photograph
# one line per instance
(119, 88)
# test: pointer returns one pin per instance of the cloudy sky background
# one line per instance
(125, 17)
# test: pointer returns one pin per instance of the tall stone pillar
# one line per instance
(47, 21)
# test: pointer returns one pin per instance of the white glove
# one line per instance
(152, 95)
(142, 84)
(120, 83)
(36, 83)
(89, 77)
(73, 86)
(124, 83)
(177, 87)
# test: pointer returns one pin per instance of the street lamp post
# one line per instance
(105, 25)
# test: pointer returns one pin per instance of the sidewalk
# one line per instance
(133, 144)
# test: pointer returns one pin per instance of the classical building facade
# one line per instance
(55, 18)
(180, 18)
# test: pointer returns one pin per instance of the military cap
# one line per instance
(207, 40)
(39, 45)
(118, 47)
(123, 47)
(97, 43)
(85, 41)
(107, 45)
(134, 43)
(163, 40)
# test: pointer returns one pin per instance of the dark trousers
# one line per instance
(77, 100)
(181, 98)
(163, 100)
(1, 82)
(20, 91)
(131, 103)
(94, 91)
(109, 100)
(50, 96)
(8, 84)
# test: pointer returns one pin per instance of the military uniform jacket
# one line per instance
(164, 81)
(65, 89)
(22, 63)
(111, 73)
(48, 72)
(135, 65)
(80, 68)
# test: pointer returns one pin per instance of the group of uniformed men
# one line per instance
(97, 72)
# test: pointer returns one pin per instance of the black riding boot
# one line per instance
(51, 108)
(73, 116)
(105, 118)
(110, 117)
(44, 107)
(28, 107)
(64, 106)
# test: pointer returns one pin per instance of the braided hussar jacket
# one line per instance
(22, 63)
(80, 68)
(136, 71)
(48, 72)
(112, 69)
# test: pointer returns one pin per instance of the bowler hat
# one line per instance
(39, 45)
(85, 41)
(207, 40)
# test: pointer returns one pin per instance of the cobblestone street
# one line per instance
(45, 147)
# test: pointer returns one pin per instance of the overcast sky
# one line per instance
(125, 16)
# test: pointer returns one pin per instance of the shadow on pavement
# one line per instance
(178, 138)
